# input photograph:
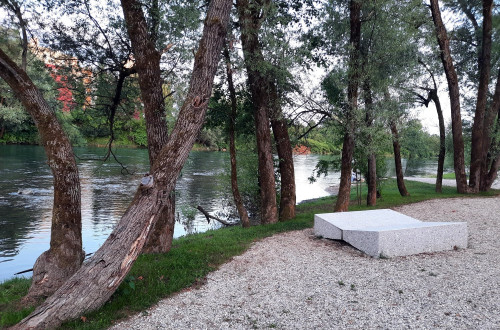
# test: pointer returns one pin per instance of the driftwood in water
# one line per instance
(209, 216)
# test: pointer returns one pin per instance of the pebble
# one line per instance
(297, 281)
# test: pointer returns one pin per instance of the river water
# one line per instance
(26, 196)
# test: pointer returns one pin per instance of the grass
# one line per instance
(185, 267)
(450, 176)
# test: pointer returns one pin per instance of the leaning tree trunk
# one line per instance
(147, 65)
(456, 118)
(442, 140)
(97, 279)
(344, 195)
(249, 18)
(65, 254)
(397, 160)
(478, 158)
(242, 211)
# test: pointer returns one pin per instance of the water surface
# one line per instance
(26, 196)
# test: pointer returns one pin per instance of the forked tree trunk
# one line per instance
(65, 255)
(250, 19)
(456, 118)
(147, 65)
(479, 128)
(397, 160)
(344, 195)
(242, 211)
(97, 279)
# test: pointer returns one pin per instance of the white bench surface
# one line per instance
(390, 233)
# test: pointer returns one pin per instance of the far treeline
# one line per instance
(265, 77)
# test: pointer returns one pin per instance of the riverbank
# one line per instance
(297, 281)
(192, 258)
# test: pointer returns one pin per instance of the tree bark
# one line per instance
(249, 18)
(147, 65)
(242, 211)
(98, 278)
(397, 160)
(371, 198)
(442, 140)
(287, 171)
(456, 118)
(65, 254)
(478, 156)
(344, 195)
(433, 96)
(490, 166)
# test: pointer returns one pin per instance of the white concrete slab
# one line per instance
(389, 233)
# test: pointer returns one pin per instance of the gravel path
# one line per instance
(296, 281)
(446, 182)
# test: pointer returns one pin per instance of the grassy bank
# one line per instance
(154, 277)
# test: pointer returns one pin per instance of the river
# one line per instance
(26, 196)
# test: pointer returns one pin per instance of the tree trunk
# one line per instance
(147, 65)
(249, 18)
(98, 278)
(65, 255)
(442, 139)
(287, 171)
(371, 198)
(478, 157)
(242, 211)
(397, 160)
(488, 173)
(451, 77)
(344, 195)
(160, 237)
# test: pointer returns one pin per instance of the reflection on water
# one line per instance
(26, 197)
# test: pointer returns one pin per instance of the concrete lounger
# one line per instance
(389, 233)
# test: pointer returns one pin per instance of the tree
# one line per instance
(371, 196)
(94, 283)
(344, 194)
(263, 97)
(432, 95)
(454, 91)
(147, 64)
(106, 48)
(232, 145)
(65, 254)
(397, 158)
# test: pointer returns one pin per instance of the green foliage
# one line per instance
(416, 142)
(16, 126)
(321, 147)
(134, 131)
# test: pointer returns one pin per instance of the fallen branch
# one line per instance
(208, 216)
(31, 269)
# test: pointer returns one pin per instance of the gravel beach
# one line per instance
(297, 281)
